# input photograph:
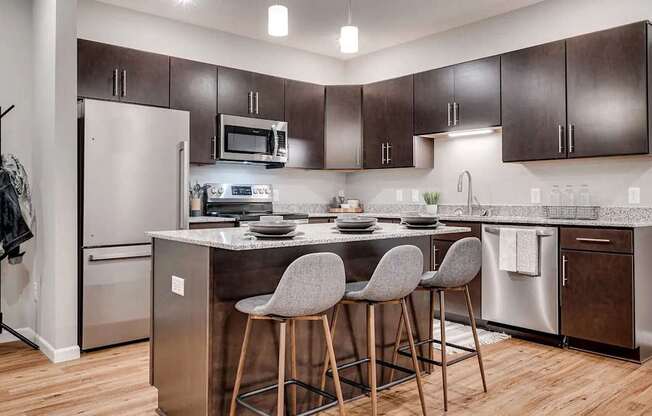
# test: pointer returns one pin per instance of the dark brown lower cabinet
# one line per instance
(455, 303)
(597, 297)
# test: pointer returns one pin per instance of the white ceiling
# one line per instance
(314, 24)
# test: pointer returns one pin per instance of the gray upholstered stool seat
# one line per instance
(396, 276)
(311, 285)
(459, 267)
(253, 305)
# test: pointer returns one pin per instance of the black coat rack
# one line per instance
(2, 324)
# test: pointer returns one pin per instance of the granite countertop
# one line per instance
(195, 220)
(619, 223)
(235, 238)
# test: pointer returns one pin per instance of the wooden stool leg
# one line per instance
(322, 384)
(336, 375)
(431, 331)
(280, 406)
(397, 345)
(442, 322)
(238, 377)
(415, 359)
(475, 336)
(293, 366)
(371, 351)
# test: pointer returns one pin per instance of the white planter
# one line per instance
(431, 209)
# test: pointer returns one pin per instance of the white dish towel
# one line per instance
(527, 252)
(507, 249)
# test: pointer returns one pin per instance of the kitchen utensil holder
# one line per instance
(571, 212)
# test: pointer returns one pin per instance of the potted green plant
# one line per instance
(432, 201)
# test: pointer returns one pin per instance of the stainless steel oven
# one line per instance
(244, 139)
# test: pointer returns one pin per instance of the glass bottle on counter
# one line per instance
(584, 196)
(568, 196)
(555, 196)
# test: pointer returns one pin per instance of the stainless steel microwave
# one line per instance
(244, 139)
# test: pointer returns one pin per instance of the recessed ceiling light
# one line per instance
(277, 20)
(470, 132)
(349, 34)
(184, 2)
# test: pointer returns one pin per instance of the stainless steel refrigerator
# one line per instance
(134, 162)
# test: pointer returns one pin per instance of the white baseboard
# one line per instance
(55, 355)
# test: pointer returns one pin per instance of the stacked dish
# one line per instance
(356, 224)
(416, 220)
(273, 228)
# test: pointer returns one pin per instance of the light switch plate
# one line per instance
(415, 195)
(178, 285)
(399, 195)
(535, 195)
(634, 195)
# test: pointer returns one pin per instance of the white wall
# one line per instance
(55, 175)
(17, 300)
(105, 23)
(496, 182)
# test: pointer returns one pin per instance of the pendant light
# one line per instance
(349, 34)
(277, 20)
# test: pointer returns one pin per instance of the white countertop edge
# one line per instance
(233, 239)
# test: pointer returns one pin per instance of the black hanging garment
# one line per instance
(14, 231)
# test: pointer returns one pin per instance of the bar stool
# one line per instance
(460, 265)
(311, 285)
(397, 275)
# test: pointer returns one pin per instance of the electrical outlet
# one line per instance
(634, 195)
(399, 195)
(178, 285)
(415, 195)
(535, 195)
(36, 292)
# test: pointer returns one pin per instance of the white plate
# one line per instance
(423, 227)
(274, 236)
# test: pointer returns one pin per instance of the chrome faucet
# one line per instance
(469, 204)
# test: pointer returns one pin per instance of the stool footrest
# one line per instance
(471, 352)
(410, 375)
(241, 399)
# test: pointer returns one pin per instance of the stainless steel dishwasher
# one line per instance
(530, 302)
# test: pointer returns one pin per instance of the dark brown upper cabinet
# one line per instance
(534, 103)
(248, 94)
(343, 127)
(460, 97)
(110, 72)
(304, 112)
(193, 88)
(387, 109)
(607, 75)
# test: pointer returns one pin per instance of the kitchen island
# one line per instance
(197, 333)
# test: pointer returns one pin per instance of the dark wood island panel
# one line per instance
(196, 338)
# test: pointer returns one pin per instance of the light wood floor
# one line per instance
(524, 379)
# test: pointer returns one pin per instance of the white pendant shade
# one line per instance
(277, 20)
(349, 39)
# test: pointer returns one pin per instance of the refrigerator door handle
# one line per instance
(184, 185)
(96, 257)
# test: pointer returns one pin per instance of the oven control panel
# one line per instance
(239, 192)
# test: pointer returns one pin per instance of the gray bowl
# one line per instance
(272, 227)
(421, 219)
(355, 222)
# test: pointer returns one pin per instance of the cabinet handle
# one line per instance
(593, 240)
(449, 108)
(560, 133)
(389, 153)
(250, 102)
(382, 154)
(124, 82)
(357, 155)
(564, 279)
(571, 138)
(256, 95)
(214, 147)
(115, 82)
(456, 111)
